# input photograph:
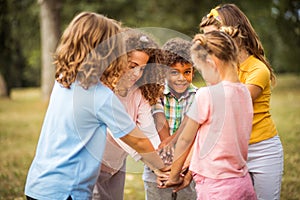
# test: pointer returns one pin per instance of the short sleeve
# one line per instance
(114, 115)
(158, 107)
(259, 76)
(200, 108)
(146, 124)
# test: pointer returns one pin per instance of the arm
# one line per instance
(179, 130)
(139, 142)
(167, 139)
(186, 181)
(162, 125)
(254, 90)
(166, 147)
(257, 79)
(182, 150)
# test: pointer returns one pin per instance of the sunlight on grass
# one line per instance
(21, 119)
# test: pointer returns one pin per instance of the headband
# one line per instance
(214, 13)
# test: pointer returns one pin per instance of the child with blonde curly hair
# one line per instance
(81, 108)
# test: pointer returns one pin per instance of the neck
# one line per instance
(176, 94)
(243, 55)
(121, 91)
(229, 73)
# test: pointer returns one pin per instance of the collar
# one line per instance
(190, 89)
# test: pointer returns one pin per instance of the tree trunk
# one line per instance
(50, 31)
(3, 90)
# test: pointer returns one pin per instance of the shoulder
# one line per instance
(257, 73)
(135, 94)
(254, 65)
(192, 88)
(203, 92)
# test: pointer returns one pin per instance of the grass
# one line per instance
(22, 115)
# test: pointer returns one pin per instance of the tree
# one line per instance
(50, 31)
(5, 57)
(12, 61)
(26, 53)
(287, 16)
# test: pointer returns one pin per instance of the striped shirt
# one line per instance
(174, 108)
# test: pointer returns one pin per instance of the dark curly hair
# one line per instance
(177, 50)
(151, 83)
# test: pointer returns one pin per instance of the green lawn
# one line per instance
(21, 118)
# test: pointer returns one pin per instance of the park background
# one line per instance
(30, 29)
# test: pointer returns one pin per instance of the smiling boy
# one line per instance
(170, 111)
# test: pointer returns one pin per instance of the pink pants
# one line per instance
(240, 188)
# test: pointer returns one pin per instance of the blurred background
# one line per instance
(29, 33)
(30, 29)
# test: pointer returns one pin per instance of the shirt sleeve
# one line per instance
(158, 107)
(200, 108)
(114, 115)
(145, 123)
(259, 76)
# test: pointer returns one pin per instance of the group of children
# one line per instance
(117, 93)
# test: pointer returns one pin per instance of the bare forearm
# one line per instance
(162, 125)
(183, 146)
(181, 153)
(180, 129)
(137, 140)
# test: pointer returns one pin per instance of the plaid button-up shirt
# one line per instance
(174, 108)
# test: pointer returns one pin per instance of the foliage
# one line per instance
(287, 18)
(276, 21)
(20, 43)
(21, 118)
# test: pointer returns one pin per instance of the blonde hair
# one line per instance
(216, 43)
(231, 15)
(151, 83)
(90, 51)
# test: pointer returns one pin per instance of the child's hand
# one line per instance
(166, 142)
(162, 175)
(162, 172)
(166, 154)
(186, 181)
(170, 183)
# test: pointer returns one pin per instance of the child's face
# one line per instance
(179, 77)
(137, 61)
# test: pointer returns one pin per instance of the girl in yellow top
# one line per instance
(265, 153)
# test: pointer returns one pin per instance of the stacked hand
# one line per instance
(166, 154)
(165, 181)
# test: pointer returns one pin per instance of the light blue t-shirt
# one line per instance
(72, 141)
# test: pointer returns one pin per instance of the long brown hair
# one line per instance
(89, 52)
(231, 15)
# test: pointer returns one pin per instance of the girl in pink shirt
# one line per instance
(137, 89)
(219, 123)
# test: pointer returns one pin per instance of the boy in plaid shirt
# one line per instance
(169, 112)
